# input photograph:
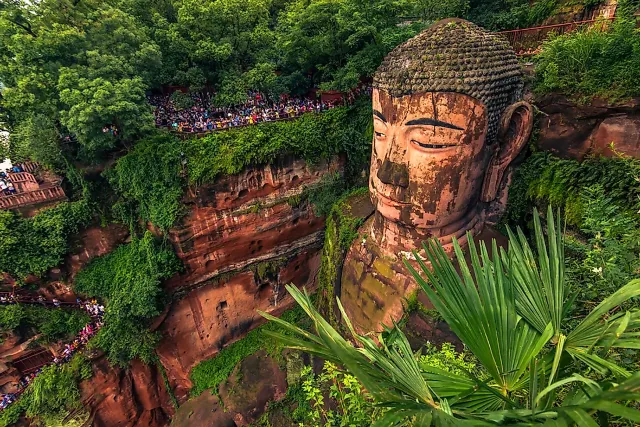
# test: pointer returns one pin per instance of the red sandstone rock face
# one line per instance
(212, 316)
(94, 242)
(233, 229)
(133, 397)
(233, 226)
(245, 218)
(572, 131)
(623, 132)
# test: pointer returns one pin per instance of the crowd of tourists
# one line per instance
(92, 307)
(203, 116)
(6, 185)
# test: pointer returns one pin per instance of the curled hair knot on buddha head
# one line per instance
(455, 55)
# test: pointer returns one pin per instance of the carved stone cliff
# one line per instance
(242, 239)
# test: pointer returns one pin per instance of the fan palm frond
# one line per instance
(510, 311)
(539, 285)
(479, 305)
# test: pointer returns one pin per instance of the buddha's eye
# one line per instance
(431, 146)
(379, 134)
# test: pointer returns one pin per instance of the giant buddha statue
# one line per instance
(449, 120)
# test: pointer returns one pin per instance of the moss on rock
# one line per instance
(346, 216)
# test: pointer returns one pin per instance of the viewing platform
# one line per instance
(33, 187)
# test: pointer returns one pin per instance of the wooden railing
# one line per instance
(30, 166)
(17, 177)
(32, 197)
(527, 41)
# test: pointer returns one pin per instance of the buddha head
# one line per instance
(448, 120)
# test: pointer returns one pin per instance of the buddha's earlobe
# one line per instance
(515, 129)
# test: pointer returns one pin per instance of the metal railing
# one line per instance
(527, 41)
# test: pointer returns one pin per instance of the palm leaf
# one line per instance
(540, 287)
(389, 373)
(479, 306)
(594, 328)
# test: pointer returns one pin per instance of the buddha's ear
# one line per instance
(513, 134)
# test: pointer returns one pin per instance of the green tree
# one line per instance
(433, 10)
(510, 310)
(214, 41)
(263, 78)
(36, 138)
(340, 41)
(150, 177)
(34, 245)
(82, 65)
(128, 281)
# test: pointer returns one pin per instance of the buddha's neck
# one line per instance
(394, 238)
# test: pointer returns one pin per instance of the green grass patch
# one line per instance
(209, 374)
(592, 63)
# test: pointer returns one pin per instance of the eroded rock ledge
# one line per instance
(243, 238)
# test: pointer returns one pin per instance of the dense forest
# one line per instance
(70, 68)
(77, 78)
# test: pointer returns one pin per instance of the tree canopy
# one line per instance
(75, 73)
(128, 280)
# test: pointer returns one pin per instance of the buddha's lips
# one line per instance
(390, 202)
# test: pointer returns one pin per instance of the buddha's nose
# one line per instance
(392, 173)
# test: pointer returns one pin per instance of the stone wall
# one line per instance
(573, 131)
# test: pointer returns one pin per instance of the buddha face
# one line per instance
(429, 157)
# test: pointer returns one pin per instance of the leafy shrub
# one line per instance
(55, 390)
(54, 325)
(605, 253)
(33, 245)
(128, 280)
(52, 395)
(448, 359)
(592, 63)
(546, 179)
(352, 405)
(36, 138)
(149, 177)
(311, 137)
